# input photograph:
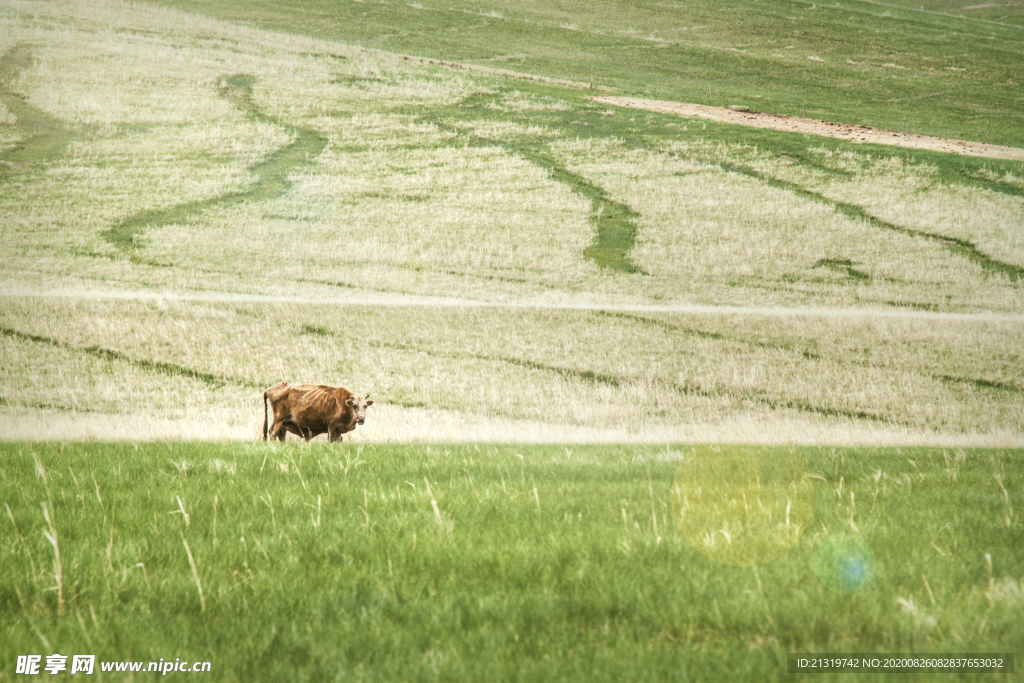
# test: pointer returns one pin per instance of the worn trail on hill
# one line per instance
(795, 124)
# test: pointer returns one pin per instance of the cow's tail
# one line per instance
(265, 416)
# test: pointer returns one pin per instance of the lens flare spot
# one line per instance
(844, 563)
(742, 506)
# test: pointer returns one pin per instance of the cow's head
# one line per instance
(359, 404)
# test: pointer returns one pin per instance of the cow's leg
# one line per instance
(278, 431)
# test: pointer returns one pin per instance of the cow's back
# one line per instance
(316, 406)
(310, 409)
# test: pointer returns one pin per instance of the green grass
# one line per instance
(949, 75)
(539, 563)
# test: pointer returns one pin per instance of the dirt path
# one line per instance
(795, 124)
(385, 299)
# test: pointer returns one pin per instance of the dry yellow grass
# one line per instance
(703, 225)
(520, 375)
(419, 210)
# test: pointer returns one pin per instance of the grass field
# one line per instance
(540, 292)
(299, 166)
(481, 562)
(197, 370)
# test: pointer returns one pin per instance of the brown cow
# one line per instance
(309, 410)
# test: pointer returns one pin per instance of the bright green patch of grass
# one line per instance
(859, 62)
(487, 563)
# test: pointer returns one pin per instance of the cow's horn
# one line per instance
(367, 396)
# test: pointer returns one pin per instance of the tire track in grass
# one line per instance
(614, 222)
(588, 376)
(271, 174)
(977, 383)
(986, 384)
(363, 297)
(39, 405)
(46, 137)
(685, 388)
(584, 375)
(172, 369)
(956, 246)
(701, 334)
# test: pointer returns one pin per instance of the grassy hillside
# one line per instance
(950, 71)
(149, 151)
(489, 563)
(302, 166)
